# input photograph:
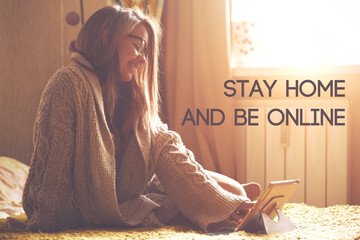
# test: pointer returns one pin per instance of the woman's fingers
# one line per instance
(235, 217)
(246, 205)
(242, 211)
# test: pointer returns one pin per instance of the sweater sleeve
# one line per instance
(197, 196)
(47, 197)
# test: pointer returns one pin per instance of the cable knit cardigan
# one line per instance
(73, 180)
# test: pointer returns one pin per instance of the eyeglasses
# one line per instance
(142, 47)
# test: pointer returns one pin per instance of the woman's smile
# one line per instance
(133, 67)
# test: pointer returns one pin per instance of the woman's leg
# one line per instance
(251, 190)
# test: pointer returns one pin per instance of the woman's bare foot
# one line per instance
(227, 183)
(252, 190)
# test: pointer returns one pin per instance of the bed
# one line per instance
(334, 222)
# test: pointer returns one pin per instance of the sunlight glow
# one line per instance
(287, 33)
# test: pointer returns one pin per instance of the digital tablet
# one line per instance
(274, 197)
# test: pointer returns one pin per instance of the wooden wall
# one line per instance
(34, 40)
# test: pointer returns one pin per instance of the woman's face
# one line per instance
(131, 52)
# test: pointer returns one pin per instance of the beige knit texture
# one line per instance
(72, 176)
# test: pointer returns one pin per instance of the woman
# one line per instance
(98, 141)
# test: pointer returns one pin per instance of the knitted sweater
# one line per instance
(73, 181)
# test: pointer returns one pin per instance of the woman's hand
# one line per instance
(242, 211)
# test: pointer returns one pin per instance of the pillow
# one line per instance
(13, 176)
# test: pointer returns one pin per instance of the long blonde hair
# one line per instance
(144, 108)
